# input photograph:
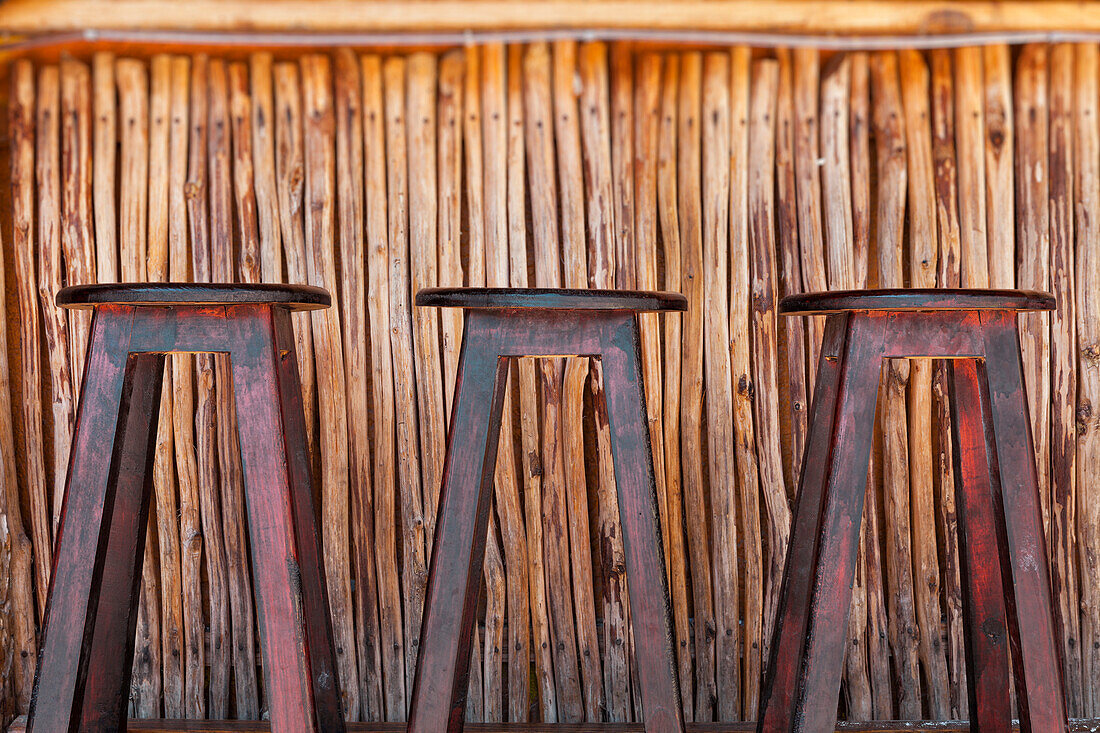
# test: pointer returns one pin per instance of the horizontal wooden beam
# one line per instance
(854, 17)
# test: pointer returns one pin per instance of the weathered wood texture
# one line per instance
(734, 176)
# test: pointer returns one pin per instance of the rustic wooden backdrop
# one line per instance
(733, 175)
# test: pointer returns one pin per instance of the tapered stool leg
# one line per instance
(633, 460)
(805, 671)
(1039, 686)
(454, 576)
(80, 682)
(295, 631)
(983, 600)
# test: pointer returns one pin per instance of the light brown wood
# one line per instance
(195, 193)
(948, 275)
(414, 558)
(586, 700)
(1087, 282)
(318, 124)
(595, 114)
(1063, 372)
(969, 135)
(859, 162)
(889, 132)
(923, 253)
(451, 86)
(391, 641)
(263, 151)
(353, 275)
(76, 200)
(836, 175)
(164, 474)
(290, 189)
(105, 141)
(545, 512)
(689, 205)
(997, 114)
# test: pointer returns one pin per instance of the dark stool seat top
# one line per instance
(294, 297)
(551, 299)
(916, 299)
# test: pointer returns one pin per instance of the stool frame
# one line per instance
(1007, 593)
(83, 676)
(502, 324)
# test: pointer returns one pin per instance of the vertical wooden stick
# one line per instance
(206, 437)
(391, 641)
(969, 132)
(451, 86)
(573, 254)
(414, 559)
(104, 143)
(164, 474)
(859, 163)
(836, 175)
(1063, 373)
(997, 86)
(321, 269)
(263, 148)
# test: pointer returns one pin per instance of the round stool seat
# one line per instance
(550, 299)
(294, 297)
(916, 299)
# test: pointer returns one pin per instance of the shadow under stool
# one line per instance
(1006, 579)
(503, 324)
(83, 677)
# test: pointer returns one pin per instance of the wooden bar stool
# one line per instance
(503, 324)
(1003, 551)
(83, 677)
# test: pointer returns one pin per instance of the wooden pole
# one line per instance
(105, 142)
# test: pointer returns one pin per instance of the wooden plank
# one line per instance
(289, 185)
(923, 254)
(948, 274)
(1063, 374)
(867, 17)
(350, 212)
(391, 641)
(602, 266)
(183, 405)
(414, 559)
(49, 260)
(808, 187)
(545, 533)
(670, 247)
(500, 587)
(451, 86)
(969, 142)
(318, 130)
(76, 199)
(764, 294)
(104, 146)
(1000, 215)
(263, 147)
(1086, 188)
(164, 475)
(573, 253)
(859, 161)
(231, 483)
(891, 172)
(741, 375)
(689, 205)
(217, 590)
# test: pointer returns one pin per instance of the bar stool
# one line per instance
(503, 324)
(83, 676)
(1003, 551)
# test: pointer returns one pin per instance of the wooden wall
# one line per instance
(733, 175)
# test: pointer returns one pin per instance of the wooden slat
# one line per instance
(997, 114)
(688, 202)
(1063, 373)
(923, 253)
(318, 124)
(104, 141)
(588, 699)
(391, 641)
(891, 149)
(836, 175)
(969, 135)
(263, 149)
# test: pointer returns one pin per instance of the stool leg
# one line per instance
(983, 601)
(645, 565)
(454, 576)
(84, 665)
(808, 651)
(292, 607)
(1038, 670)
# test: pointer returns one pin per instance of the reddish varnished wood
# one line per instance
(83, 674)
(501, 324)
(1008, 581)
